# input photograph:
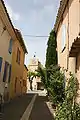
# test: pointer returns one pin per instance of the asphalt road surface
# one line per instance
(15, 109)
(40, 110)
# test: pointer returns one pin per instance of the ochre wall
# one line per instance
(17, 70)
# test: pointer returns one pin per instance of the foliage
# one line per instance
(56, 87)
(69, 109)
(41, 72)
(53, 81)
(30, 74)
(51, 54)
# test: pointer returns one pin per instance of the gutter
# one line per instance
(61, 10)
(68, 40)
(79, 17)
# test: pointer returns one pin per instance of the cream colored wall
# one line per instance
(73, 20)
(4, 45)
(33, 66)
(34, 84)
(62, 56)
(72, 30)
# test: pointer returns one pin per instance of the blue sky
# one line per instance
(33, 17)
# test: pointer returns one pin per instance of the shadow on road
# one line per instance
(40, 110)
(16, 107)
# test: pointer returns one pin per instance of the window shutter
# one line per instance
(0, 63)
(5, 71)
(9, 73)
(17, 55)
(63, 36)
(10, 46)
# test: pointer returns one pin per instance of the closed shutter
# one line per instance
(0, 63)
(10, 46)
(5, 71)
(9, 73)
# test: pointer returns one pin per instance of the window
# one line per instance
(63, 36)
(5, 71)
(18, 56)
(10, 46)
(15, 84)
(0, 63)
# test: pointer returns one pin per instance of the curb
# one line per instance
(29, 109)
(52, 111)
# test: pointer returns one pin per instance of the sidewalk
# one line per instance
(40, 110)
(15, 108)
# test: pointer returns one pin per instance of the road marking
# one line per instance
(29, 109)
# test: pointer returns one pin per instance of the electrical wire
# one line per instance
(35, 36)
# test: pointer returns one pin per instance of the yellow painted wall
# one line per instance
(24, 88)
(17, 70)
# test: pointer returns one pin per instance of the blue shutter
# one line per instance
(0, 63)
(10, 46)
(5, 71)
(9, 73)
(63, 36)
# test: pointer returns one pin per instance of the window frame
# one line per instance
(63, 39)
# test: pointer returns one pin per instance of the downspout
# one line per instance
(79, 17)
(68, 38)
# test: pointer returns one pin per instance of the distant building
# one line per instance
(36, 81)
(33, 64)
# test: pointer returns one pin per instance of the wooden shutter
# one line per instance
(5, 71)
(0, 63)
(9, 73)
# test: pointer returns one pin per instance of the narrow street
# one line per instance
(40, 110)
(15, 109)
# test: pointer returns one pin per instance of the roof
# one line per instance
(61, 9)
(18, 34)
(7, 15)
(26, 67)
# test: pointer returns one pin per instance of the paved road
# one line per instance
(40, 110)
(15, 109)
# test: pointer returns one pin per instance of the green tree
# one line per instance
(51, 54)
(69, 109)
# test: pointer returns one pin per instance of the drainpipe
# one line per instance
(79, 17)
(68, 39)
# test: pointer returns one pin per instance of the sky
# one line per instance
(33, 17)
